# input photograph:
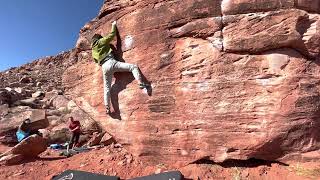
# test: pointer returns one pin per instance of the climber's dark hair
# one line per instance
(95, 38)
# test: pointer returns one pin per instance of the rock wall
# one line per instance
(230, 79)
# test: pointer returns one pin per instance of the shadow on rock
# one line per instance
(250, 163)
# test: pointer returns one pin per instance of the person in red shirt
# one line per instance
(74, 127)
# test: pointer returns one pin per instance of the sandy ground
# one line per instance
(116, 161)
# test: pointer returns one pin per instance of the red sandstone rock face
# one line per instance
(309, 5)
(231, 80)
(250, 6)
(230, 7)
(264, 31)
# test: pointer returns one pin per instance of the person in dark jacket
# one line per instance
(75, 129)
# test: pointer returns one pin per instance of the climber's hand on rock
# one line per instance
(114, 23)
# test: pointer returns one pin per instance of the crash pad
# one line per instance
(74, 151)
(172, 175)
(82, 175)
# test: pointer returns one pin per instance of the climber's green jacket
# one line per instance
(101, 48)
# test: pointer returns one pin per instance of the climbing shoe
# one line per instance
(144, 86)
(108, 110)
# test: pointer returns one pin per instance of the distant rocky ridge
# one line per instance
(231, 79)
(46, 72)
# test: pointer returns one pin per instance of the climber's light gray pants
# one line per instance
(111, 66)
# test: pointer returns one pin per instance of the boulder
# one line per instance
(39, 84)
(31, 102)
(311, 37)
(59, 134)
(30, 147)
(38, 94)
(230, 7)
(309, 5)
(107, 139)
(22, 92)
(38, 120)
(259, 32)
(6, 97)
(12, 159)
(25, 79)
(11, 123)
(95, 139)
(9, 137)
(54, 112)
(45, 133)
(59, 101)
(50, 94)
(84, 138)
(64, 110)
(54, 120)
(230, 80)
(4, 110)
(201, 28)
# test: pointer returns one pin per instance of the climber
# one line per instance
(74, 127)
(102, 54)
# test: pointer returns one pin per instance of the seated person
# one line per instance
(23, 130)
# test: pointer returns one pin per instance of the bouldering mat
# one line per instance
(74, 151)
(172, 175)
(82, 175)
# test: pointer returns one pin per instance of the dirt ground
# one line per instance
(116, 161)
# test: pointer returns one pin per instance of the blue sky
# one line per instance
(31, 29)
